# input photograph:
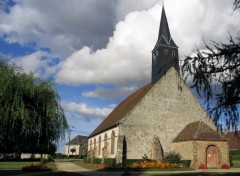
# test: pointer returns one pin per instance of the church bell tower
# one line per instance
(165, 52)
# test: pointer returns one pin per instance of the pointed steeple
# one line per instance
(165, 52)
(164, 36)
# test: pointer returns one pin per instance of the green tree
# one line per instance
(31, 117)
(215, 74)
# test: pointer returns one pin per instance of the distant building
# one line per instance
(234, 140)
(161, 117)
(77, 146)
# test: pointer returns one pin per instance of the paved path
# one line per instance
(68, 166)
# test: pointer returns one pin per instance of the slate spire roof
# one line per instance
(199, 131)
(164, 36)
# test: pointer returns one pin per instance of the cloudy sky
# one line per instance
(99, 52)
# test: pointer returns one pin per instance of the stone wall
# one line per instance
(185, 149)
(164, 111)
(196, 151)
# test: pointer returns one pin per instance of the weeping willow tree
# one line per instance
(31, 118)
(215, 74)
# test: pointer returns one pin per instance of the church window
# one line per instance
(105, 140)
(165, 52)
(91, 143)
(94, 142)
(112, 142)
(156, 53)
(173, 53)
(99, 149)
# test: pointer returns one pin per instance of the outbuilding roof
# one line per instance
(199, 131)
(78, 140)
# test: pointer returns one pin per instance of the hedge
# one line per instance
(186, 163)
(234, 152)
(129, 162)
(109, 161)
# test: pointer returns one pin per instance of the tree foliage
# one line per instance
(31, 117)
(215, 74)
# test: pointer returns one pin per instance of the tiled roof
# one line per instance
(234, 140)
(122, 109)
(77, 140)
(199, 131)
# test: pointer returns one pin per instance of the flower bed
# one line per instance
(36, 167)
(225, 166)
(154, 164)
(202, 166)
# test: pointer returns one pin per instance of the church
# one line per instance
(161, 117)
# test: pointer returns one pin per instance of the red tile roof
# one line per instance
(234, 140)
(122, 109)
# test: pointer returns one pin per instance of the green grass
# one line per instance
(92, 168)
(28, 173)
(19, 165)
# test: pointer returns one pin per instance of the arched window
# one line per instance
(90, 143)
(112, 142)
(94, 142)
(105, 139)
(99, 149)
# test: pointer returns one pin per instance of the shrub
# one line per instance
(109, 162)
(85, 159)
(97, 161)
(234, 152)
(235, 157)
(129, 162)
(173, 158)
(202, 166)
(185, 163)
(43, 161)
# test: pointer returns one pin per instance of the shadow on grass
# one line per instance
(38, 173)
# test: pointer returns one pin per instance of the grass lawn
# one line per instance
(92, 168)
(28, 173)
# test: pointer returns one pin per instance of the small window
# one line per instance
(173, 53)
(157, 53)
(112, 142)
(105, 140)
(165, 52)
(99, 149)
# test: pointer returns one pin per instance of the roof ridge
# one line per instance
(195, 136)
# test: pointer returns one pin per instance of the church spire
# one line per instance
(165, 52)
(164, 36)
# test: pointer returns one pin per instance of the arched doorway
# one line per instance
(212, 156)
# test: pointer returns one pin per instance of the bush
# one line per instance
(109, 162)
(97, 161)
(43, 161)
(234, 152)
(235, 157)
(173, 158)
(129, 162)
(186, 163)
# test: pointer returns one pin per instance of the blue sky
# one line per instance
(99, 52)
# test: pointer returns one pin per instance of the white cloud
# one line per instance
(104, 93)
(85, 111)
(127, 57)
(37, 62)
